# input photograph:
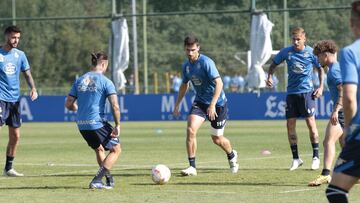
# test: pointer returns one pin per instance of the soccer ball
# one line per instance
(160, 174)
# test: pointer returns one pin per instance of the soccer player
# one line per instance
(209, 103)
(91, 91)
(300, 99)
(12, 62)
(326, 53)
(347, 168)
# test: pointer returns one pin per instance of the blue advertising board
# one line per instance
(159, 107)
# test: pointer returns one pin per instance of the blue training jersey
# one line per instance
(300, 66)
(11, 63)
(350, 71)
(333, 80)
(91, 91)
(202, 74)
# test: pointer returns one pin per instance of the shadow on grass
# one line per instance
(239, 183)
(38, 188)
(221, 183)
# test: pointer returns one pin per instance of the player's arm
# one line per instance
(70, 103)
(349, 102)
(30, 81)
(180, 96)
(211, 111)
(113, 99)
(319, 91)
(269, 81)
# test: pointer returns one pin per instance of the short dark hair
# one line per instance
(325, 46)
(97, 57)
(12, 28)
(190, 40)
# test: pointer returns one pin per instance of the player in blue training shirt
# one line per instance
(347, 168)
(326, 53)
(91, 91)
(300, 99)
(209, 103)
(12, 62)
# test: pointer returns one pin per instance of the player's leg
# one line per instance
(314, 139)
(112, 157)
(293, 140)
(339, 187)
(218, 138)
(100, 155)
(14, 123)
(106, 143)
(347, 168)
(193, 124)
(14, 137)
(292, 113)
(109, 161)
(309, 113)
(333, 133)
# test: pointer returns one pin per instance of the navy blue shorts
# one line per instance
(300, 105)
(200, 110)
(100, 136)
(349, 158)
(10, 114)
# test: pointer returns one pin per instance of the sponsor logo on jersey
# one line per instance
(16, 55)
(198, 66)
(298, 68)
(2, 58)
(187, 69)
(196, 81)
(86, 122)
(87, 85)
(10, 69)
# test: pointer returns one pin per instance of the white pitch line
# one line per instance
(199, 191)
(299, 190)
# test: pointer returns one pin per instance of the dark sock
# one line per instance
(325, 172)
(294, 151)
(336, 195)
(192, 161)
(9, 162)
(100, 174)
(109, 177)
(231, 155)
(315, 147)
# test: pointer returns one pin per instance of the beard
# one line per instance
(12, 45)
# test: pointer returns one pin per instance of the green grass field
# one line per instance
(59, 165)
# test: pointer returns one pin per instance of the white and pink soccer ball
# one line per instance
(160, 174)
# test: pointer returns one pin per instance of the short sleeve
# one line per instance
(280, 57)
(316, 62)
(348, 68)
(183, 74)
(211, 69)
(110, 88)
(24, 62)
